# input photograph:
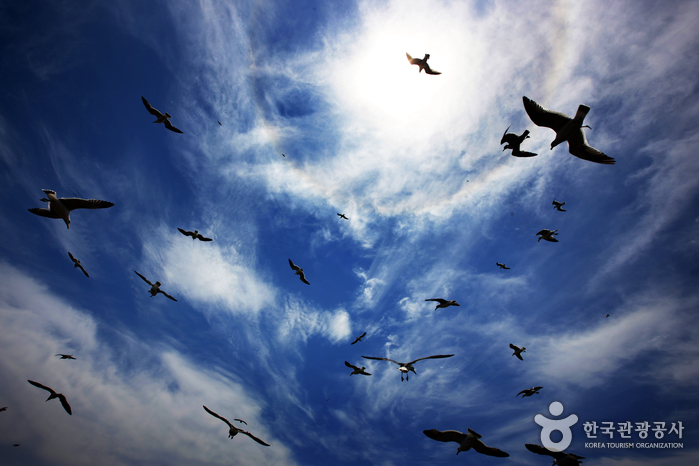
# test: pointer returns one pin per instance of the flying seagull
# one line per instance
(77, 264)
(513, 142)
(529, 392)
(194, 234)
(502, 266)
(567, 129)
(518, 351)
(53, 395)
(299, 272)
(560, 458)
(4, 408)
(219, 123)
(283, 155)
(607, 315)
(422, 64)
(66, 356)
(359, 338)
(465, 441)
(234, 430)
(160, 117)
(357, 370)
(557, 205)
(154, 288)
(443, 303)
(342, 216)
(61, 207)
(406, 368)
(548, 235)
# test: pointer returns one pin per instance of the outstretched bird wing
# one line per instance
(429, 70)
(543, 232)
(65, 404)
(538, 449)
(203, 238)
(523, 391)
(261, 442)
(73, 203)
(351, 366)
(302, 276)
(542, 117)
(521, 153)
(359, 338)
(438, 356)
(71, 257)
(144, 278)
(240, 420)
(216, 415)
(413, 61)
(37, 384)
(166, 295)
(578, 146)
(185, 232)
(80, 266)
(44, 212)
(383, 359)
(439, 300)
(150, 108)
(169, 126)
(481, 447)
(506, 139)
(294, 267)
(445, 435)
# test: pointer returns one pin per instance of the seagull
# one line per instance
(502, 266)
(77, 264)
(342, 216)
(53, 395)
(548, 235)
(194, 234)
(557, 205)
(422, 64)
(299, 272)
(154, 288)
(465, 441)
(61, 207)
(406, 368)
(359, 338)
(518, 351)
(443, 303)
(283, 155)
(356, 370)
(66, 356)
(567, 129)
(513, 142)
(234, 430)
(160, 117)
(560, 458)
(219, 123)
(529, 392)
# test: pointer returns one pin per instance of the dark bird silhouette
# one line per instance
(607, 315)
(15, 444)
(502, 266)
(465, 441)
(514, 141)
(518, 351)
(66, 356)
(234, 430)
(558, 205)
(422, 63)
(359, 338)
(443, 303)
(219, 123)
(407, 367)
(154, 287)
(4, 408)
(299, 272)
(559, 458)
(356, 370)
(342, 216)
(529, 392)
(160, 118)
(194, 234)
(283, 155)
(77, 264)
(547, 235)
(61, 207)
(567, 129)
(53, 395)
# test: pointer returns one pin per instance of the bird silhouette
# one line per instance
(61, 207)
(299, 272)
(154, 287)
(233, 431)
(465, 441)
(407, 367)
(194, 234)
(359, 338)
(514, 141)
(53, 395)
(357, 370)
(422, 63)
(443, 303)
(160, 118)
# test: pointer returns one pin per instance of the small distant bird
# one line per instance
(53, 395)
(283, 155)
(15, 444)
(299, 272)
(567, 129)
(342, 216)
(502, 266)
(607, 315)
(77, 264)
(356, 370)
(154, 287)
(422, 63)
(160, 117)
(513, 142)
(518, 351)
(529, 392)
(407, 367)
(66, 356)
(465, 441)
(194, 234)
(4, 408)
(560, 458)
(443, 303)
(234, 430)
(359, 338)
(557, 205)
(61, 207)
(548, 235)
(219, 123)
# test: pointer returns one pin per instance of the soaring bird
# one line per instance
(219, 123)
(194, 234)
(567, 129)
(77, 264)
(61, 207)
(465, 441)
(529, 392)
(560, 458)
(4, 408)
(406, 368)
(66, 356)
(299, 272)
(518, 351)
(422, 64)
(443, 303)
(357, 370)
(557, 205)
(548, 235)
(15, 444)
(359, 338)
(502, 266)
(607, 315)
(154, 287)
(234, 430)
(53, 395)
(160, 118)
(513, 142)
(342, 216)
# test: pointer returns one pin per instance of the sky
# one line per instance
(433, 203)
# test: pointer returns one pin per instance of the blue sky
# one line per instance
(414, 161)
